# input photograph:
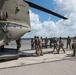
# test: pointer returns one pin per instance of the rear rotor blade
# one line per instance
(45, 10)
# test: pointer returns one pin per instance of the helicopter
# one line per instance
(15, 20)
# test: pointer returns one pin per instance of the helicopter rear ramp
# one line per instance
(8, 54)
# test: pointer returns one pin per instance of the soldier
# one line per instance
(51, 41)
(46, 42)
(60, 39)
(18, 42)
(55, 45)
(35, 42)
(74, 46)
(68, 42)
(60, 46)
(37, 46)
(42, 42)
(40, 47)
(32, 44)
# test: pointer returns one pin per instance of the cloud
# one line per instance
(35, 23)
(63, 28)
(45, 29)
(69, 8)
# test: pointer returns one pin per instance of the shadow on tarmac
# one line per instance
(8, 54)
(23, 54)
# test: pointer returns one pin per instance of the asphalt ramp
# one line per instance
(8, 54)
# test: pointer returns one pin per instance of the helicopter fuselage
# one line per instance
(14, 20)
(11, 31)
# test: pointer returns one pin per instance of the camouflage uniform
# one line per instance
(35, 41)
(51, 41)
(18, 42)
(68, 42)
(74, 49)
(61, 46)
(46, 42)
(40, 47)
(55, 45)
(32, 44)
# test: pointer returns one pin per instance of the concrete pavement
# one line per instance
(28, 57)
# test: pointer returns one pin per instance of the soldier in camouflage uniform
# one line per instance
(40, 47)
(46, 42)
(69, 42)
(35, 42)
(74, 46)
(55, 45)
(18, 42)
(60, 46)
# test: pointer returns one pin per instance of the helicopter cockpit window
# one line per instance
(3, 16)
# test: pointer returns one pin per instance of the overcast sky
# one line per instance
(46, 25)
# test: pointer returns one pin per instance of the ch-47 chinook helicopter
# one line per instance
(14, 19)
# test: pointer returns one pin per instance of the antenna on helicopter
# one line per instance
(45, 10)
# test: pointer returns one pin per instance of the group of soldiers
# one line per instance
(61, 45)
(73, 45)
(37, 44)
(58, 44)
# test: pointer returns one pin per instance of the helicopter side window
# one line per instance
(3, 16)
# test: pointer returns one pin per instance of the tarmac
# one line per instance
(28, 63)
(28, 57)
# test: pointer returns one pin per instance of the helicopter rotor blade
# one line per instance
(45, 10)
